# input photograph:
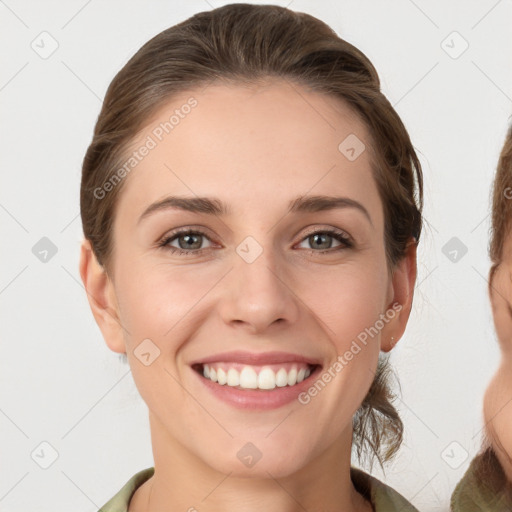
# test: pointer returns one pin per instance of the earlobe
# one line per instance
(402, 292)
(101, 297)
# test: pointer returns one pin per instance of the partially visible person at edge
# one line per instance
(487, 484)
(251, 206)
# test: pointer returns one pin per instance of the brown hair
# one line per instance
(501, 223)
(243, 43)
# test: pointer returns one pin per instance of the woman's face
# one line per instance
(263, 277)
(498, 396)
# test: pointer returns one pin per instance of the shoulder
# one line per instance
(483, 487)
(120, 502)
(382, 497)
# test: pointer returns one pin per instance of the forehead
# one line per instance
(257, 141)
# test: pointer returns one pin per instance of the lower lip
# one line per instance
(258, 398)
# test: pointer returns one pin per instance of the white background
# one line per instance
(59, 381)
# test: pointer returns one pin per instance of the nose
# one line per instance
(259, 294)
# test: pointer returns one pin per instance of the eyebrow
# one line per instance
(213, 206)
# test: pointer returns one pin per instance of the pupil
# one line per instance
(189, 240)
(318, 237)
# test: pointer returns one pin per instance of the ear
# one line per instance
(401, 292)
(101, 297)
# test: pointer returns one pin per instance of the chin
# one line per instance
(249, 462)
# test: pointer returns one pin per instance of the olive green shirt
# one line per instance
(382, 497)
(484, 487)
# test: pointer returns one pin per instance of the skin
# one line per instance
(498, 396)
(255, 148)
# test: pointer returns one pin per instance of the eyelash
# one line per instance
(339, 235)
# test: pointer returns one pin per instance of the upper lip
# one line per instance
(262, 358)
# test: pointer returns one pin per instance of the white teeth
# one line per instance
(233, 377)
(249, 379)
(221, 376)
(281, 378)
(292, 377)
(266, 379)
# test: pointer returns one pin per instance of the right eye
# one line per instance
(187, 239)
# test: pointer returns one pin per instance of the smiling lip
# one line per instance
(257, 399)
(255, 359)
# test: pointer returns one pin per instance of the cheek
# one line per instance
(502, 325)
(159, 308)
(155, 299)
(349, 299)
(501, 299)
(350, 306)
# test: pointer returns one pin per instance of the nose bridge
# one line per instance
(259, 294)
(257, 264)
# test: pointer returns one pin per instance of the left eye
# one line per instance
(189, 242)
(319, 238)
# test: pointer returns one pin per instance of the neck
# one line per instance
(182, 481)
